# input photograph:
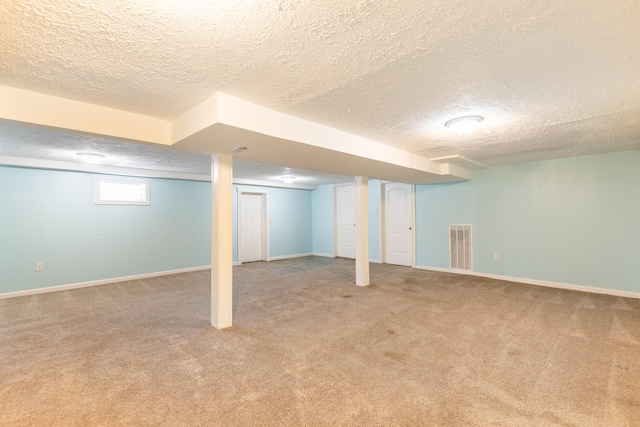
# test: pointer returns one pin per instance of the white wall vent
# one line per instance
(460, 246)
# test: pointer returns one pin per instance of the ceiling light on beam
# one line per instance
(93, 158)
(465, 124)
(288, 178)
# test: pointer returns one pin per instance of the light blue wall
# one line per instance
(289, 212)
(323, 218)
(574, 221)
(569, 220)
(49, 217)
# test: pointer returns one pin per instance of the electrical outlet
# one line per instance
(496, 255)
(39, 267)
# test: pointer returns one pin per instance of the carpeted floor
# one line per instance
(309, 348)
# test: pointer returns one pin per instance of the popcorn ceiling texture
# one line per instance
(552, 79)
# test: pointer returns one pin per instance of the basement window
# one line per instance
(121, 191)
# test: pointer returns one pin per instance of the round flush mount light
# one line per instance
(465, 124)
(288, 178)
(91, 157)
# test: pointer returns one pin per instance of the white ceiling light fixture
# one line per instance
(93, 158)
(288, 178)
(465, 124)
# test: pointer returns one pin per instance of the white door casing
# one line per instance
(345, 221)
(398, 224)
(250, 227)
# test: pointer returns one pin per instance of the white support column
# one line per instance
(361, 197)
(221, 240)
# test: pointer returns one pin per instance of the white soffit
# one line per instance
(276, 138)
(460, 161)
(223, 122)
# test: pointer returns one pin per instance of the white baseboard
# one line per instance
(323, 254)
(277, 258)
(99, 282)
(546, 283)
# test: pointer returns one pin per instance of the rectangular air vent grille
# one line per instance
(460, 246)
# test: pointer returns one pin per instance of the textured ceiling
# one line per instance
(552, 78)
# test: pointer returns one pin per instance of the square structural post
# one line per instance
(361, 197)
(221, 240)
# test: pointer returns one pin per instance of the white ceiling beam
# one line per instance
(41, 109)
(195, 119)
(222, 122)
(236, 112)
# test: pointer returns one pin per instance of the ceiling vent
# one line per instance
(239, 149)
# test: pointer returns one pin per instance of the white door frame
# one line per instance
(335, 214)
(383, 220)
(264, 226)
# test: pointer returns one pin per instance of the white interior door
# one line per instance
(250, 227)
(345, 221)
(398, 224)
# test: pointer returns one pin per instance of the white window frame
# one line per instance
(124, 180)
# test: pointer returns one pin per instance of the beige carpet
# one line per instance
(309, 348)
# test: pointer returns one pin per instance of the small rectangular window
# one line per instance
(122, 191)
